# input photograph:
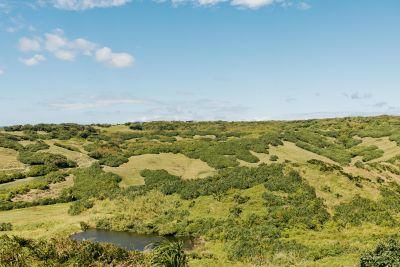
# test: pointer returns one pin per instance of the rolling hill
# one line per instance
(277, 193)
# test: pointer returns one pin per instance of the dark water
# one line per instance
(126, 240)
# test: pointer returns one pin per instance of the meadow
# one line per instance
(279, 193)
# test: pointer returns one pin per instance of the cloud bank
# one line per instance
(62, 48)
(77, 5)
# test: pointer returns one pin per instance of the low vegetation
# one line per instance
(301, 193)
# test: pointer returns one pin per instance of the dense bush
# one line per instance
(16, 251)
(169, 254)
(6, 178)
(79, 206)
(63, 131)
(49, 159)
(386, 253)
(361, 210)
(301, 206)
(239, 178)
(109, 154)
(5, 227)
(93, 182)
(319, 144)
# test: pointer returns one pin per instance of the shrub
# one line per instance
(79, 206)
(387, 253)
(273, 158)
(5, 227)
(169, 254)
(360, 210)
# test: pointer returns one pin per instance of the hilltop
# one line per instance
(278, 193)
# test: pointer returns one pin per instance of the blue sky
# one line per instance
(133, 60)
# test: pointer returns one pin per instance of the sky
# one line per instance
(114, 61)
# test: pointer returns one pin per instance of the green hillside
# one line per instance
(299, 193)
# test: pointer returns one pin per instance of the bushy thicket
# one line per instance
(43, 163)
(300, 207)
(91, 183)
(368, 153)
(386, 253)
(21, 252)
(235, 178)
(362, 210)
(217, 154)
(109, 154)
(319, 144)
(5, 227)
(63, 131)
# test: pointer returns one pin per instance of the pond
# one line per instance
(126, 240)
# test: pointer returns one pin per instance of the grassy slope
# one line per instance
(176, 164)
(9, 160)
(42, 221)
(49, 221)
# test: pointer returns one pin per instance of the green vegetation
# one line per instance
(169, 254)
(385, 254)
(301, 193)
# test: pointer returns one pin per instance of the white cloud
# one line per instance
(252, 4)
(196, 2)
(243, 4)
(118, 60)
(64, 55)
(304, 6)
(1, 71)
(87, 4)
(36, 59)
(97, 103)
(64, 49)
(55, 41)
(27, 45)
(83, 45)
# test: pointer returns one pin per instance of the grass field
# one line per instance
(43, 221)
(390, 148)
(176, 164)
(288, 151)
(9, 160)
(53, 191)
(81, 158)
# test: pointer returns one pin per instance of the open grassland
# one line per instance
(176, 164)
(43, 221)
(390, 148)
(53, 191)
(81, 158)
(286, 152)
(9, 160)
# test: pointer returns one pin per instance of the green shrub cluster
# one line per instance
(301, 205)
(109, 154)
(368, 153)
(63, 131)
(17, 251)
(91, 183)
(5, 227)
(235, 178)
(387, 253)
(319, 144)
(361, 210)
